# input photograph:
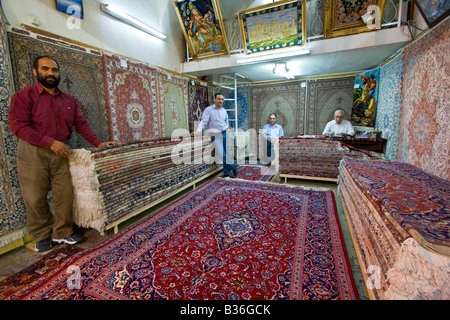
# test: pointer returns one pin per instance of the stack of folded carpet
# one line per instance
(399, 219)
(315, 157)
(110, 184)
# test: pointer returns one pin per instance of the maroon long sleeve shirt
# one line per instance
(38, 117)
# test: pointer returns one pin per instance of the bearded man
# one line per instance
(42, 117)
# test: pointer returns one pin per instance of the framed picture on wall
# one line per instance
(343, 17)
(202, 26)
(71, 7)
(433, 11)
(365, 98)
(273, 26)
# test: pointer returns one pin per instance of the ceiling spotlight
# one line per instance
(281, 69)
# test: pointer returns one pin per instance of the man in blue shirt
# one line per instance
(271, 132)
(216, 119)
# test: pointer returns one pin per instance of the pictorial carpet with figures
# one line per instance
(229, 239)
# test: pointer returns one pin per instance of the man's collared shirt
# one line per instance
(216, 119)
(344, 127)
(38, 117)
(273, 132)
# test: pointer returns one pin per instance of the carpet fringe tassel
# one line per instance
(88, 204)
(418, 274)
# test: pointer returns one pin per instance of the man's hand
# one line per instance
(109, 143)
(60, 148)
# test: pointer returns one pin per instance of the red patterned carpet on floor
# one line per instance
(31, 275)
(229, 239)
(254, 173)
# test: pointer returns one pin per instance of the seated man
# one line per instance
(339, 126)
(272, 131)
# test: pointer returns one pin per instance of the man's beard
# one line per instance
(49, 81)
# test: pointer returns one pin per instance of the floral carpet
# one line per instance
(399, 221)
(31, 275)
(254, 173)
(229, 239)
(131, 93)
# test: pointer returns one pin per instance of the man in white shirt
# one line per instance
(216, 119)
(339, 126)
(271, 132)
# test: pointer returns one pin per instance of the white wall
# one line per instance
(105, 32)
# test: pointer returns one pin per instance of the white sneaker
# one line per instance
(73, 239)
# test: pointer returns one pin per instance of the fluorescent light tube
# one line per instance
(269, 57)
(118, 14)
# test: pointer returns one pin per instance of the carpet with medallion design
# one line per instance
(132, 99)
(229, 239)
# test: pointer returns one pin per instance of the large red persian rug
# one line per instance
(229, 239)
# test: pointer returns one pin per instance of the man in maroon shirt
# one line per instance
(42, 117)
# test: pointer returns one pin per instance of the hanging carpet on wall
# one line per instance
(287, 101)
(173, 102)
(12, 208)
(198, 102)
(325, 96)
(389, 104)
(132, 100)
(242, 106)
(423, 138)
(229, 239)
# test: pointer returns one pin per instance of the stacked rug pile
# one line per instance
(113, 183)
(315, 157)
(399, 219)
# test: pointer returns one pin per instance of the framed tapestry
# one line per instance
(433, 11)
(273, 26)
(71, 7)
(365, 98)
(346, 17)
(202, 26)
